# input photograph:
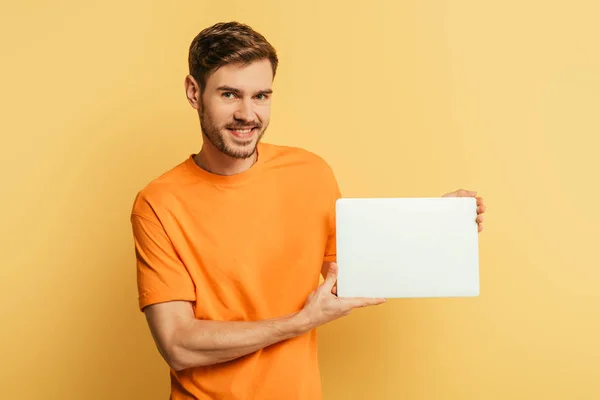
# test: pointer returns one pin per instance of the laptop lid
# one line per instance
(407, 247)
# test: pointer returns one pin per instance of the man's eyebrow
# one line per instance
(226, 88)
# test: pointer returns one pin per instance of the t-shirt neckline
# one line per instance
(228, 179)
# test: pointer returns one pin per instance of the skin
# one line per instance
(235, 96)
(239, 96)
(479, 202)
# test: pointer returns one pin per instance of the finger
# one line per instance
(331, 275)
(479, 219)
(456, 193)
(466, 193)
(356, 302)
(463, 193)
(480, 228)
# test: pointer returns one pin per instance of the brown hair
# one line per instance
(227, 43)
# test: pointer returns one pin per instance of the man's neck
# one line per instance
(212, 160)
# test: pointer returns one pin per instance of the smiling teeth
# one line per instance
(243, 130)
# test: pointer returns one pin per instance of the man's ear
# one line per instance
(193, 92)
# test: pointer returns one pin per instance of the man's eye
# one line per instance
(228, 95)
(261, 96)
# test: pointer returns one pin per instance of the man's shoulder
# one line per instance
(277, 154)
(160, 188)
(303, 168)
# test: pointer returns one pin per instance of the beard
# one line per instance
(217, 136)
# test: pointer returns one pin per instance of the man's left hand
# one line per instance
(480, 205)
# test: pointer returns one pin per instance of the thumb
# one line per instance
(331, 275)
(461, 193)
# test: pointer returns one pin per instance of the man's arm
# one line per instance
(185, 341)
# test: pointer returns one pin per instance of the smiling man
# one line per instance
(230, 244)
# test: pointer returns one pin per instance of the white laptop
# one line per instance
(407, 247)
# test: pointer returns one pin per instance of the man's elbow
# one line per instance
(175, 361)
(179, 359)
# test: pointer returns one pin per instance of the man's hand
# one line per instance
(480, 205)
(324, 270)
(323, 306)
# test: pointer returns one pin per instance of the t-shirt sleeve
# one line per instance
(334, 194)
(161, 275)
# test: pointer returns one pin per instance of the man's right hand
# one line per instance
(323, 306)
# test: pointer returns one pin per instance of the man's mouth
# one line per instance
(242, 132)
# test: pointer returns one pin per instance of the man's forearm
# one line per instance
(204, 342)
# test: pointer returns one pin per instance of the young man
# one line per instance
(231, 242)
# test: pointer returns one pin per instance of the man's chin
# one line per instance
(240, 149)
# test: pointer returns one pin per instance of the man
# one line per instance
(230, 243)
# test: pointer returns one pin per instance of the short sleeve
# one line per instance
(161, 275)
(335, 194)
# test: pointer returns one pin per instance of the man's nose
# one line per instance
(244, 112)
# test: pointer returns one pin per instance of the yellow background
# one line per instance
(406, 98)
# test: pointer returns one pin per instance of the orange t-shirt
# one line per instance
(244, 247)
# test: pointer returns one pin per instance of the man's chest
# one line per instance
(255, 235)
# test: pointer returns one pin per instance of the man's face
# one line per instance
(236, 107)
